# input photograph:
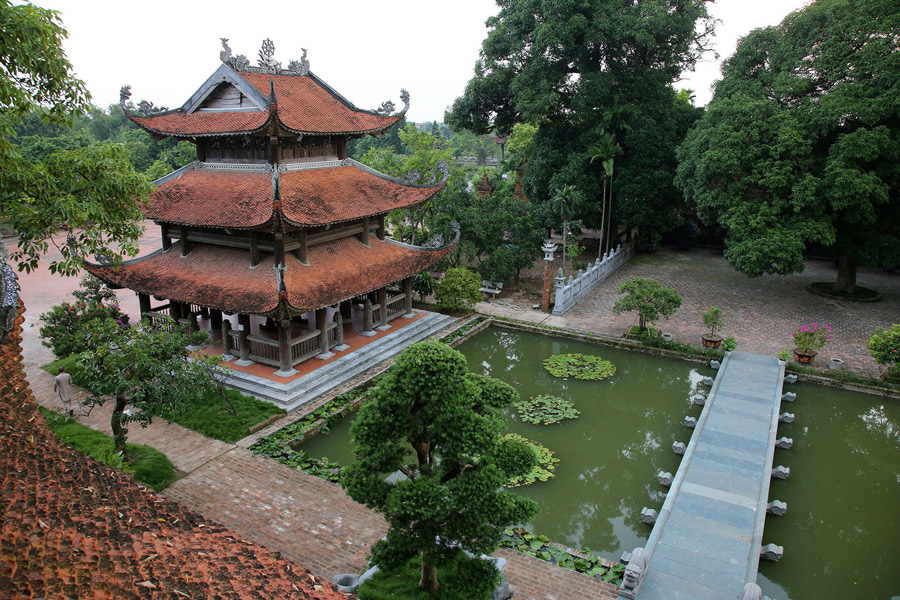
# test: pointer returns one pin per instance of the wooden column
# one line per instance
(367, 319)
(255, 256)
(302, 253)
(347, 309)
(339, 329)
(382, 300)
(322, 326)
(144, 302)
(244, 323)
(226, 337)
(185, 244)
(284, 346)
(166, 238)
(174, 309)
(380, 233)
(364, 236)
(215, 319)
(407, 292)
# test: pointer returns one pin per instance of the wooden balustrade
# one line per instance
(305, 347)
(396, 306)
(264, 350)
(333, 335)
(156, 317)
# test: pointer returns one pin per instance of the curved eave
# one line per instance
(370, 131)
(146, 123)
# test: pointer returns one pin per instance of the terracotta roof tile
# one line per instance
(329, 195)
(71, 527)
(305, 106)
(222, 278)
(210, 275)
(214, 198)
(346, 268)
(180, 123)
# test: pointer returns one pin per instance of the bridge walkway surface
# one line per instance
(706, 543)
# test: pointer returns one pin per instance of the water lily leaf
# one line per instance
(579, 366)
(545, 409)
(544, 468)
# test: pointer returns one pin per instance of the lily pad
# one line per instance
(545, 409)
(579, 366)
(544, 468)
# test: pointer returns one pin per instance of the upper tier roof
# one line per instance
(311, 194)
(302, 104)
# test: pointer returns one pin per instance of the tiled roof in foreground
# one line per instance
(71, 527)
(312, 194)
(183, 124)
(222, 277)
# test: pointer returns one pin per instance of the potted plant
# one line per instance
(808, 339)
(714, 321)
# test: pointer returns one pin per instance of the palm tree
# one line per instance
(563, 201)
(605, 152)
(614, 119)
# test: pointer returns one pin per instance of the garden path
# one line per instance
(761, 313)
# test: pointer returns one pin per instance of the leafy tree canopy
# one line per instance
(438, 425)
(559, 66)
(801, 143)
(91, 188)
(649, 298)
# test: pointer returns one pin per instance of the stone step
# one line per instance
(305, 389)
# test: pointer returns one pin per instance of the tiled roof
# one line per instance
(346, 268)
(222, 278)
(71, 527)
(210, 275)
(207, 197)
(180, 123)
(310, 197)
(304, 105)
(328, 195)
(307, 107)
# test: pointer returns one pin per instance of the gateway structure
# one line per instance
(273, 220)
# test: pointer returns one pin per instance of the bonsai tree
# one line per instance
(458, 289)
(884, 346)
(649, 298)
(438, 427)
(147, 368)
(713, 319)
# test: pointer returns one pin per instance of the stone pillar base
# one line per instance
(368, 333)
(325, 355)
(383, 327)
(281, 373)
(244, 363)
(341, 348)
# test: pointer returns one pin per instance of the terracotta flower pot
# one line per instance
(804, 357)
(711, 341)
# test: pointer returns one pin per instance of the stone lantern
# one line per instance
(549, 249)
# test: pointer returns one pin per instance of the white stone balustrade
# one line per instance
(569, 292)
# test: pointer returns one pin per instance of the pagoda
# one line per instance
(272, 220)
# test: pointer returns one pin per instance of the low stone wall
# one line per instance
(569, 292)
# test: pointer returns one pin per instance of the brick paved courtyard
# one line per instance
(760, 313)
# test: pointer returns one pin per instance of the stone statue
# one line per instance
(635, 571)
(124, 94)
(404, 96)
(9, 294)
(386, 108)
(240, 62)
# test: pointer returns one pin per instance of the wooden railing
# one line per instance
(396, 306)
(264, 350)
(305, 347)
(163, 309)
(332, 335)
(155, 317)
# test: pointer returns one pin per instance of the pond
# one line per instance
(841, 531)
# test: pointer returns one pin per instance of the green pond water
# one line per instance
(841, 533)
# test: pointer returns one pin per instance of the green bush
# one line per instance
(476, 581)
(69, 328)
(423, 284)
(458, 289)
(649, 298)
(884, 346)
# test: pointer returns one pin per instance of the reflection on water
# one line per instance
(841, 533)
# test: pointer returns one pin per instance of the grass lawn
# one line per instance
(149, 466)
(210, 416)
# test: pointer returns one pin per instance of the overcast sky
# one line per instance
(366, 50)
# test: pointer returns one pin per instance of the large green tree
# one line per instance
(560, 66)
(93, 189)
(439, 426)
(801, 143)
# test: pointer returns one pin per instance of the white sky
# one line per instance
(367, 50)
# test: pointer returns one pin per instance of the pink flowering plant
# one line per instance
(812, 337)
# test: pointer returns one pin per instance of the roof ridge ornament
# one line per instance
(266, 60)
(387, 108)
(300, 67)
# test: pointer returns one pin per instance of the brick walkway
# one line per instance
(760, 313)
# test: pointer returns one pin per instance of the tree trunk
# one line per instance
(602, 218)
(846, 275)
(610, 219)
(118, 428)
(565, 231)
(428, 580)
